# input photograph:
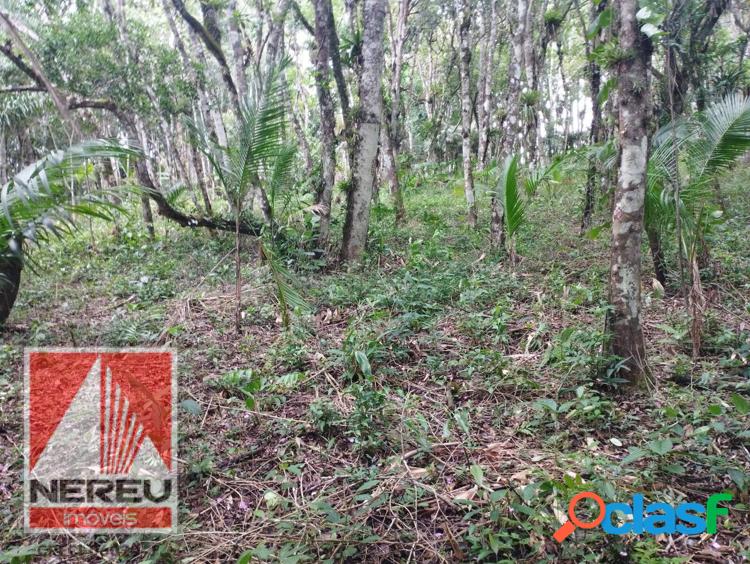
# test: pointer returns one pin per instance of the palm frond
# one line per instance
(724, 137)
(510, 197)
(37, 203)
(260, 135)
(288, 296)
(539, 176)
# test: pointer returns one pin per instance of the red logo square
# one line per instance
(100, 440)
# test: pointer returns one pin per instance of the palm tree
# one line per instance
(683, 196)
(509, 205)
(257, 158)
(40, 202)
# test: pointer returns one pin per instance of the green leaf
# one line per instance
(660, 446)
(364, 363)
(478, 474)
(738, 477)
(461, 416)
(547, 403)
(607, 88)
(367, 486)
(191, 406)
(741, 403)
(634, 453)
(603, 20)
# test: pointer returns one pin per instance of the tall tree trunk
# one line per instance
(484, 97)
(392, 121)
(235, 43)
(390, 166)
(595, 134)
(464, 31)
(368, 131)
(657, 256)
(327, 121)
(627, 217)
(10, 280)
(210, 35)
(276, 33)
(511, 142)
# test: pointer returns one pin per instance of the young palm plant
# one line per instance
(683, 195)
(509, 205)
(257, 158)
(41, 202)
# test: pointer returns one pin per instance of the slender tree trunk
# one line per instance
(657, 256)
(595, 134)
(627, 217)
(235, 43)
(210, 35)
(392, 122)
(511, 141)
(390, 166)
(368, 132)
(237, 272)
(464, 31)
(327, 121)
(484, 98)
(497, 232)
(10, 280)
(3, 157)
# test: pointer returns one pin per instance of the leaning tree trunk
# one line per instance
(465, 69)
(368, 131)
(627, 217)
(10, 279)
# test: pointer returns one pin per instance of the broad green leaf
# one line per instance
(741, 403)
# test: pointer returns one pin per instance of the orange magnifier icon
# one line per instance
(569, 526)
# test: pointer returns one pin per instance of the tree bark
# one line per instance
(392, 123)
(211, 38)
(368, 130)
(627, 217)
(10, 280)
(235, 43)
(595, 133)
(511, 142)
(484, 97)
(327, 121)
(464, 31)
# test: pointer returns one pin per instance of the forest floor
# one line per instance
(436, 405)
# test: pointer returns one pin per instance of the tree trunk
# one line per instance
(464, 31)
(327, 121)
(484, 86)
(368, 131)
(390, 166)
(10, 280)
(595, 134)
(627, 217)
(511, 141)
(657, 256)
(392, 136)
(210, 35)
(497, 231)
(235, 43)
